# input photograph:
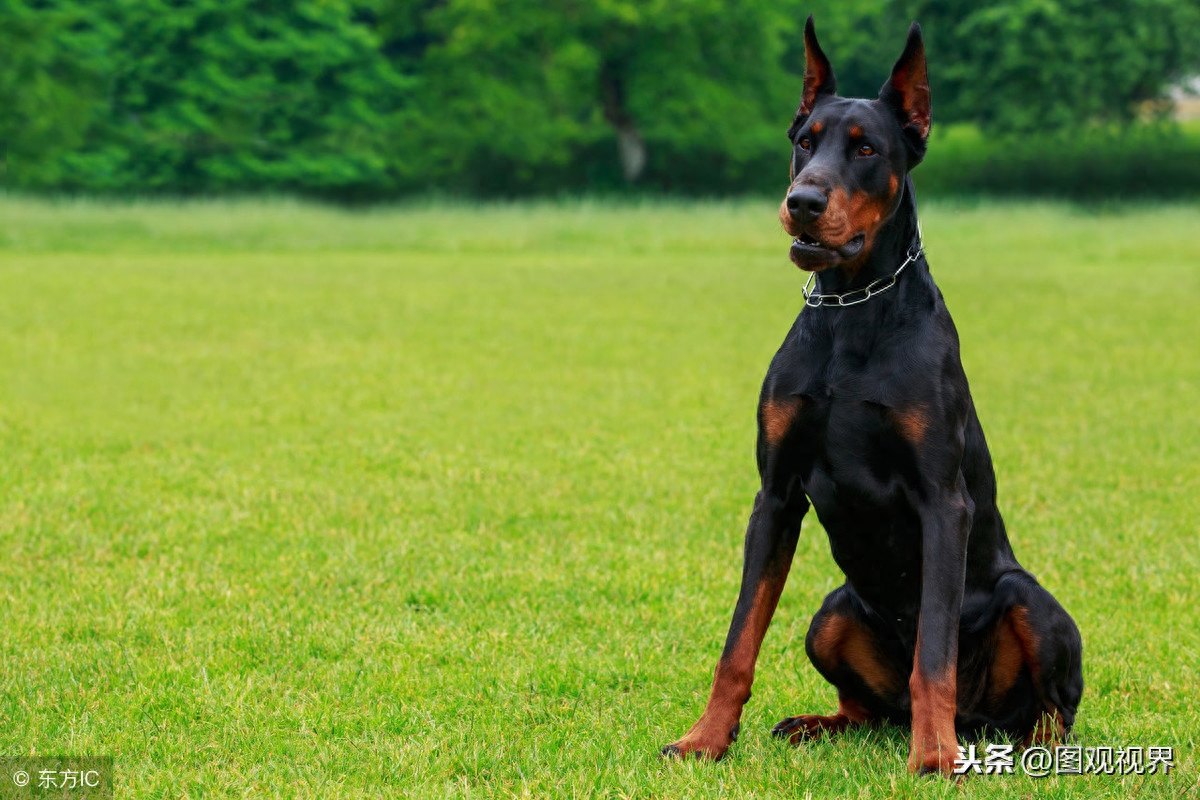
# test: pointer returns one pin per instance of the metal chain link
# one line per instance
(877, 286)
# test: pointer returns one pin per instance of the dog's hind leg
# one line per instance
(1035, 672)
(866, 666)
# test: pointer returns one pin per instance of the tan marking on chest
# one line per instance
(912, 423)
(778, 414)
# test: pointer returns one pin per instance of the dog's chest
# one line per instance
(854, 449)
(853, 445)
(860, 472)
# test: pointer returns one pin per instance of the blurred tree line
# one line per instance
(375, 98)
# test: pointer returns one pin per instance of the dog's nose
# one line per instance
(806, 203)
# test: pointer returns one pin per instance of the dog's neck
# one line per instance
(889, 250)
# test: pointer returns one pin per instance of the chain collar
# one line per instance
(856, 296)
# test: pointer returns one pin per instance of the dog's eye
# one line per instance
(866, 150)
(805, 143)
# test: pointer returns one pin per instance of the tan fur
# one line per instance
(842, 640)
(735, 673)
(912, 423)
(1015, 646)
(777, 418)
(934, 743)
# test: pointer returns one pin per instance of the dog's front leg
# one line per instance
(945, 526)
(770, 545)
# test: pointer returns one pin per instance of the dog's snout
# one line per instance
(806, 203)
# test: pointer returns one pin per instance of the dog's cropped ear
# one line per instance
(818, 76)
(907, 92)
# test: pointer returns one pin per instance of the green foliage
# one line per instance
(216, 95)
(375, 98)
(517, 94)
(1035, 65)
(46, 93)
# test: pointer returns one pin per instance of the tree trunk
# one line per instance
(629, 140)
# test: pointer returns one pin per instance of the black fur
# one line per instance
(866, 417)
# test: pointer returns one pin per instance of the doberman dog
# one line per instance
(866, 415)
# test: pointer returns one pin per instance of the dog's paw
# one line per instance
(940, 772)
(934, 763)
(703, 742)
(1048, 731)
(810, 726)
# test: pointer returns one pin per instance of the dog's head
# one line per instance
(850, 157)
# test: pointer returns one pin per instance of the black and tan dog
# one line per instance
(866, 415)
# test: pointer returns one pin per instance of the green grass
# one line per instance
(441, 501)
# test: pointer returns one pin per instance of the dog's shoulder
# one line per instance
(890, 361)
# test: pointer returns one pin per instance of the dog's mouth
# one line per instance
(808, 252)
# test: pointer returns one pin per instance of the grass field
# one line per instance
(443, 501)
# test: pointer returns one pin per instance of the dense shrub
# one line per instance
(212, 95)
(1097, 164)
